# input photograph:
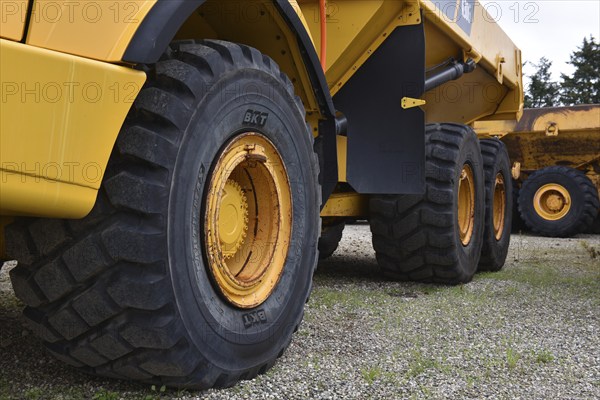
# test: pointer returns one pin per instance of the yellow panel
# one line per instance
(494, 90)
(493, 128)
(486, 39)
(59, 119)
(346, 205)
(342, 156)
(88, 28)
(26, 196)
(13, 14)
(355, 29)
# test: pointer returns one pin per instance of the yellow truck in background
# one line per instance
(166, 166)
(556, 156)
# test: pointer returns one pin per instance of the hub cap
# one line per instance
(552, 202)
(248, 219)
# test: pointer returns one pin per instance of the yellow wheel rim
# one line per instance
(499, 206)
(466, 205)
(552, 202)
(248, 219)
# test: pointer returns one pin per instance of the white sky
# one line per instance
(547, 28)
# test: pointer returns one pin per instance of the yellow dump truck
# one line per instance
(556, 152)
(166, 165)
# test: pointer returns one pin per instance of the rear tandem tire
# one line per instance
(129, 292)
(498, 205)
(418, 237)
(331, 235)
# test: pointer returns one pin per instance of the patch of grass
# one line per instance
(34, 393)
(105, 395)
(349, 298)
(4, 385)
(543, 356)
(458, 290)
(591, 250)
(471, 380)
(431, 289)
(314, 362)
(420, 364)
(425, 390)
(512, 358)
(546, 276)
(371, 374)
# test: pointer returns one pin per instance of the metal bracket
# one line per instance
(552, 129)
(500, 60)
(409, 102)
(411, 14)
(516, 170)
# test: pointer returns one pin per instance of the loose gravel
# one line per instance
(530, 331)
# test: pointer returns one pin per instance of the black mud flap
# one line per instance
(386, 143)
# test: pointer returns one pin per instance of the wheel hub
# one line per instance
(248, 220)
(552, 202)
(555, 202)
(233, 218)
(499, 206)
(466, 205)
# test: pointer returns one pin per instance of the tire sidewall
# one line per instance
(212, 323)
(469, 255)
(498, 248)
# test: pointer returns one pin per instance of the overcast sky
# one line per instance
(547, 28)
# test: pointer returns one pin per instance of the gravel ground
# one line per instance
(531, 331)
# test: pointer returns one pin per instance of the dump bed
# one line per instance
(567, 136)
(454, 29)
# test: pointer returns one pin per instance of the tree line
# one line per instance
(581, 87)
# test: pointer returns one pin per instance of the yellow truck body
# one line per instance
(166, 166)
(51, 168)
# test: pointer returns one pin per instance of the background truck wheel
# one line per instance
(189, 271)
(436, 237)
(331, 234)
(498, 205)
(558, 202)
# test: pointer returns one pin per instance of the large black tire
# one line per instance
(595, 228)
(126, 292)
(331, 235)
(416, 237)
(583, 205)
(499, 199)
(517, 223)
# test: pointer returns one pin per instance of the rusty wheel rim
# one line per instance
(248, 220)
(466, 205)
(552, 202)
(499, 206)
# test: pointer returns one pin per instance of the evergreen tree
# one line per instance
(583, 87)
(542, 91)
